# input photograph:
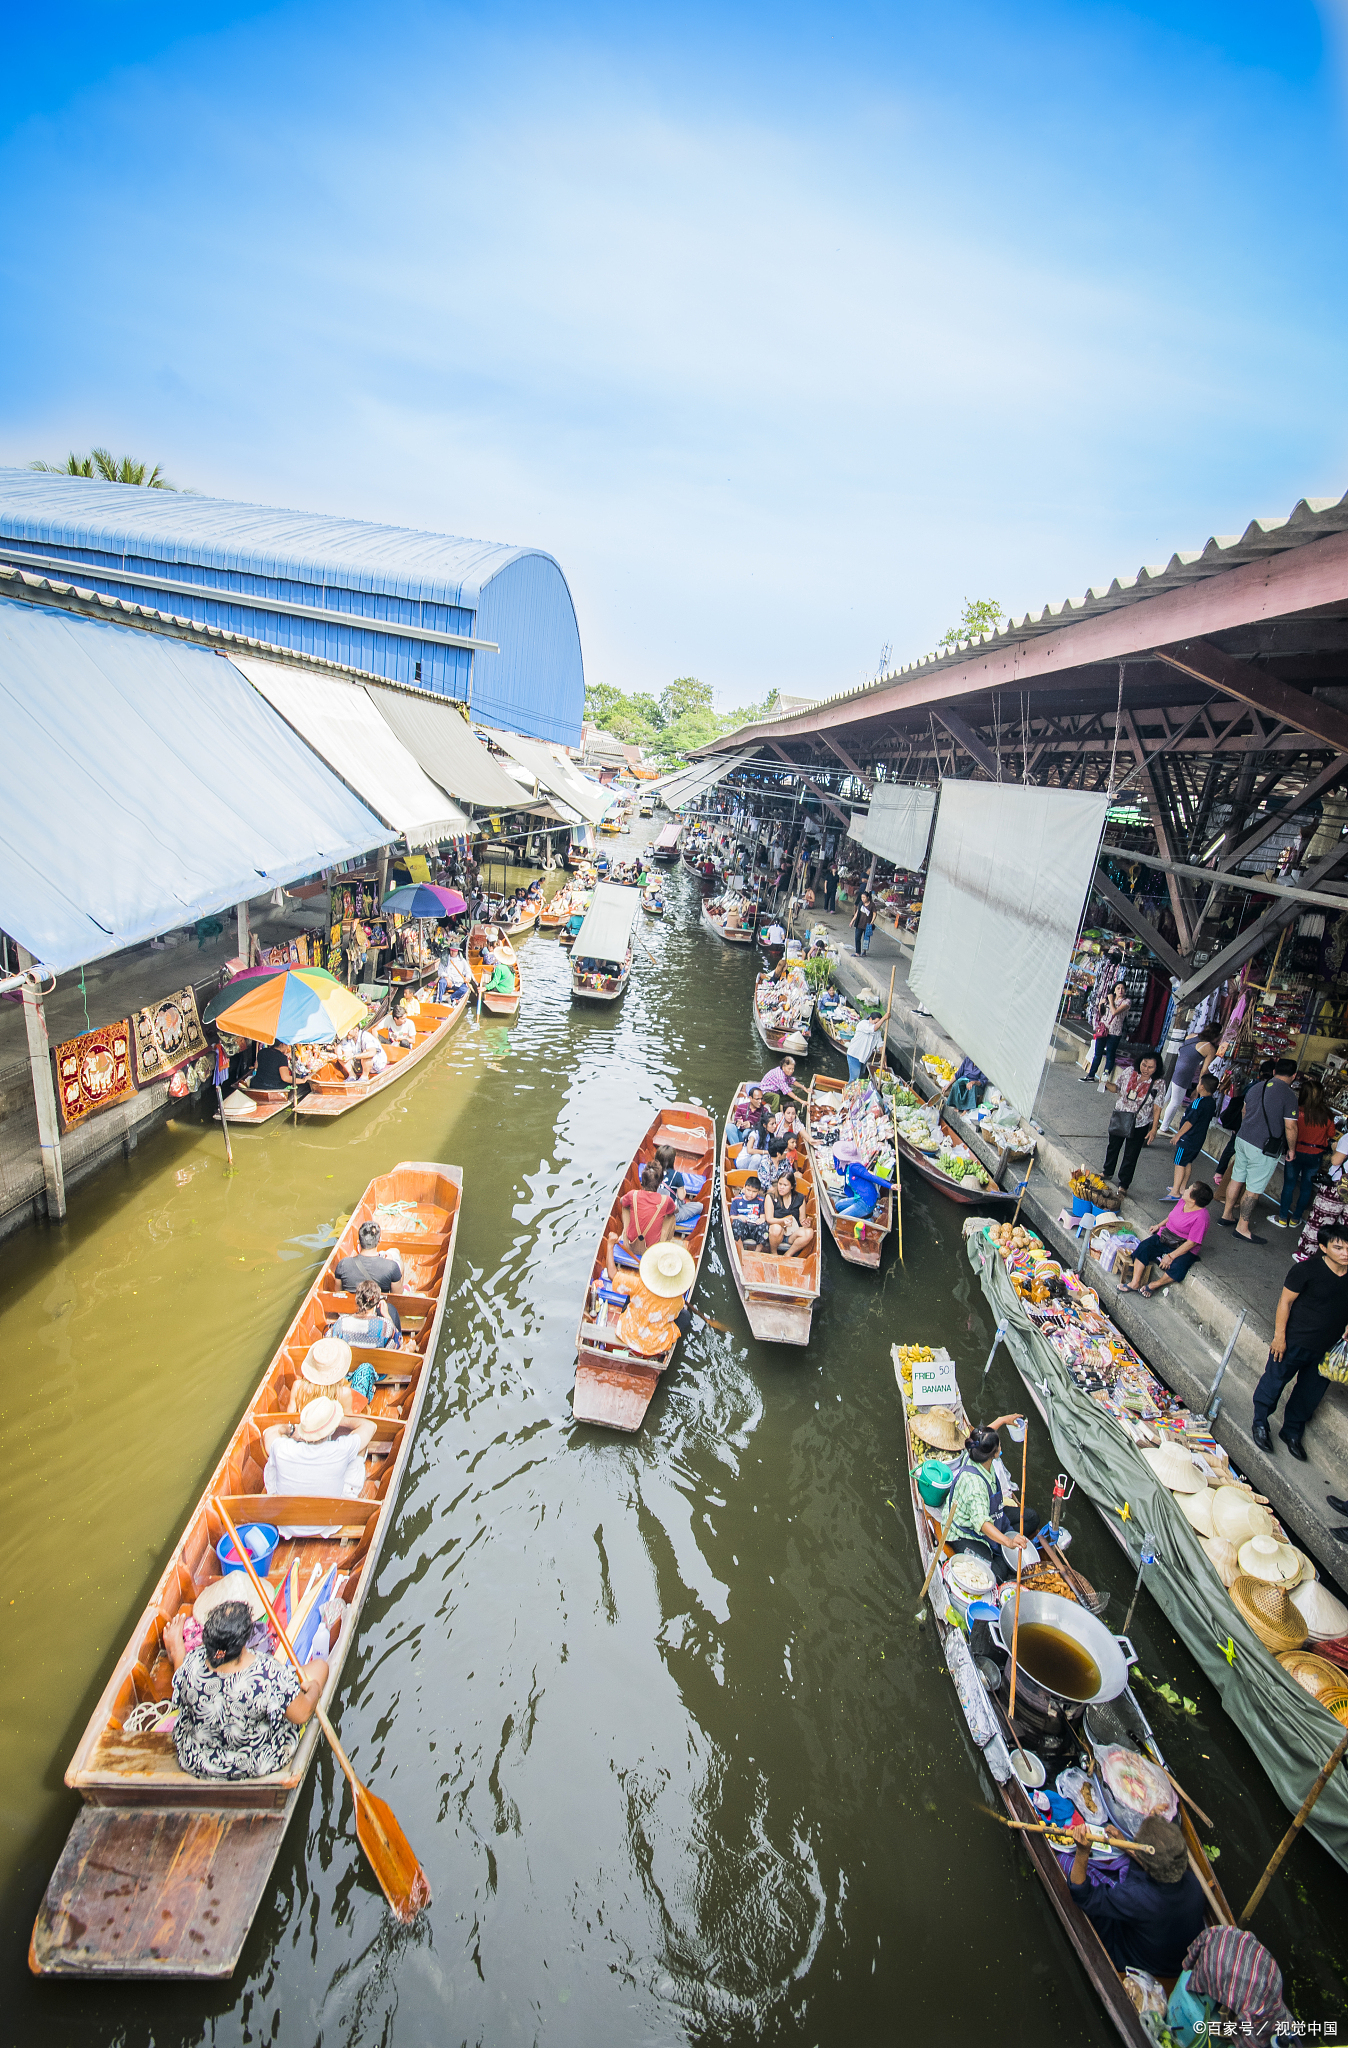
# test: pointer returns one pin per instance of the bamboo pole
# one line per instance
(1271, 1867)
(1015, 1621)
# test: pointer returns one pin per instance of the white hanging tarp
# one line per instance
(1006, 886)
(898, 824)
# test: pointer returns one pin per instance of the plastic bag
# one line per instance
(1334, 1364)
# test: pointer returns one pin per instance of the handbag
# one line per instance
(1334, 1364)
(1274, 1144)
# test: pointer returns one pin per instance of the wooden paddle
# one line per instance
(1044, 1827)
(390, 1855)
(1271, 1867)
(711, 1321)
(224, 1125)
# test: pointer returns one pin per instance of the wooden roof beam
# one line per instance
(861, 775)
(1124, 907)
(1259, 692)
(844, 816)
(969, 740)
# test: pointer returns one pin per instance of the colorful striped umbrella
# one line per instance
(285, 1006)
(425, 899)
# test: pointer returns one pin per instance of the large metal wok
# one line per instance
(1112, 1655)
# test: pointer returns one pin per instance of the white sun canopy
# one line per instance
(544, 766)
(1006, 886)
(684, 785)
(341, 724)
(606, 932)
(898, 824)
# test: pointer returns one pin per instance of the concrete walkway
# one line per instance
(1183, 1333)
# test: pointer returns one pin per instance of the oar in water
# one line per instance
(390, 1855)
(710, 1321)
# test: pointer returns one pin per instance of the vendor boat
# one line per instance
(1120, 1719)
(602, 983)
(837, 1019)
(666, 847)
(925, 1158)
(860, 1240)
(614, 1385)
(791, 1035)
(502, 1001)
(725, 919)
(331, 1093)
(779, 1294)
(653, 900)
(248, 1108)
(163, 1871)
(773, 950)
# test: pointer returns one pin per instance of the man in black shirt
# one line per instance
(1312, 1316)
(1151, 1916)
(366, 1264)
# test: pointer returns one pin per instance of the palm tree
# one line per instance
(101, 463)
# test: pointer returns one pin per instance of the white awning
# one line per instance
(340, 723)
(542, 764)
(606, 932)
(898, 824)
(685, 784)
(436, 734)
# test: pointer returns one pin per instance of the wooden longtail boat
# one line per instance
(794, 1040)
(653, 900)
(779, 1294)
(332, 1094)
(163, 1872)
(554, 914)
(596, 986)
(714, 914)
(266, 1104)
(966, 1193)
(666, 847)
(992, 1731)
(861, 1243)
(614, 1386)
(498, 1001)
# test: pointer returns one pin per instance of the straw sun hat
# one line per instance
(1269, 1611)
(1237, 1516)
(236, 1586)
(318, 1420)
(1196, 1509)
(668, 1269)
(1323, 1615)
(1321, 1679)
(1176, 1469)
(326, 1362)
(938, 1428)
(1265, 1558)
(1223, 1558)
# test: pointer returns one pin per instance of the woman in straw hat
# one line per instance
(309, 1456)
(326, 1369)
(655, 1311)
(978, 1522)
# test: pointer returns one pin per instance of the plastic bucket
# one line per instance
(260, 1533)
(934, 1481)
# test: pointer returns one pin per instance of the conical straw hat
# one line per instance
(1224, 1560)
(1196, 1509)
(1265, 1558)
(938, 1427)
(1269, 1612)
(1316, 1675)
(1176, 1469)
(1237, 1517)
(1323, 1615)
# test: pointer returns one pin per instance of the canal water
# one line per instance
(655, 1712)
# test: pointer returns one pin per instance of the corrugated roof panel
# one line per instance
(340, 723)
(525, 606)
(565, 781)
(147, 785)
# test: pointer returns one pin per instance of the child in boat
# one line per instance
(401, 1029)
(676, 1186)
(648, 1219)
(374, 1324)
(240, 1710)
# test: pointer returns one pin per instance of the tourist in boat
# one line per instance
(746, 1115)
(656, 1308)
(676, 1186)
(775, 935)
(781, 1081)
(239, 1709)
(369, 1263)
(326, 1368)
(401, 1030)
(978, 1522)
(788, 1234)
(1156, 1910)
(451, 977)
(316, 1454)
(273, 1069)
(785, 1124)
(375, 1323)
(648, 1219)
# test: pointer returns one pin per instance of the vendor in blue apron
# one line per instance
(978, 1522)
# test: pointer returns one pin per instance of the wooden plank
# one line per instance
(154, 1893)
(615, 1398)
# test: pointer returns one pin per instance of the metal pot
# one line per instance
(1112, 1655)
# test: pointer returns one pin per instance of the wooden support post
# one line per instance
(245, 933)
(44, 1097)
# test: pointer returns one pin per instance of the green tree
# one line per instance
(601, 702)
(648, 707)
(100, 462)
(980, 615)
(683, 695)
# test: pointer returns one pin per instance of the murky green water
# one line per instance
(655, 1713)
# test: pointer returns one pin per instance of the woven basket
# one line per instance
(1316, 1675)
(1338, 1708)
(1269, 1612)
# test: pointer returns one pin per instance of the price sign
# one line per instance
(934, 1382)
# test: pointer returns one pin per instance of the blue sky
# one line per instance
(783, 331)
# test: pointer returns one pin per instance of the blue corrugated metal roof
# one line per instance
(364, 573)
(147, 784)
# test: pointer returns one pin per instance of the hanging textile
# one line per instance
(165, 1035)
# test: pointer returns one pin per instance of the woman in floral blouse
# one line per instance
(240, 1710)
(1135, 1118)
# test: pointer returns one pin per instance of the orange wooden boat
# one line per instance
(163, 1872)
(331, 1093)
(778, 1294)
(614, 1386)
(861, 1244)
(497, 1001)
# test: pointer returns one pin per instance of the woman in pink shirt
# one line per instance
(1173, 1247)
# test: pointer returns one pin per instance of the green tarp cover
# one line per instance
(1289, 1732)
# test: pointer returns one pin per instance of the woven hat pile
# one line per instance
(938, 1427)
(1237, 1516)
(1223, 1557)
(1324, 1616)
(1316, 1675)
(1176, 1469)
(1265, 1558)
(1269, 1612)
(1196, 1509)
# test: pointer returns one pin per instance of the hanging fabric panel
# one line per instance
(898, 824)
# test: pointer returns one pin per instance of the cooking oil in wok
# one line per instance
(1057, 1662)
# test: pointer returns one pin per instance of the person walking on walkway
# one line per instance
(831, 887)
(1268, 1129)
(1312, 1316)
(1109, 1029)
(1315, 1132)
(861, 918)
(1192, 1061)
(1135, 1118)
